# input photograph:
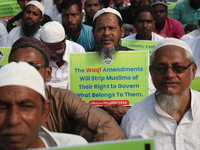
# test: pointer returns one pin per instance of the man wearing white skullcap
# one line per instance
(171, 115)
(24, 108)
(53, 35)
(33, 14)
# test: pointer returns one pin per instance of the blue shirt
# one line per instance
(85, 38)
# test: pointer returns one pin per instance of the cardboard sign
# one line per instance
(126, 81)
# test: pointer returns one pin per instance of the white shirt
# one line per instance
(155, 37)
(147, 120)
(59, 77)
(47, 4)
(3, 34)
(52, 12)
(194, 44)
(52, 139)
(191, 35)
(15, 34)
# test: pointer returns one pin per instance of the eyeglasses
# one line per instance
(176, 69)
(36, 66)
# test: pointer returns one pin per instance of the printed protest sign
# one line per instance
(138, 144)
(4, 53)
(139, 44)
(126, 81)
(8, 9)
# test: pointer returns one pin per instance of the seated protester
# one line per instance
(24, 108)
(166, 26)
(17, 20)
(187, 12)
(144, 22)
(128, 14)
(3, 34)
(74, 29)
(33, 14)
(171, 114)
(119, 3)
(53, 35)
(54, 11)
(91, 7)
(69, 113)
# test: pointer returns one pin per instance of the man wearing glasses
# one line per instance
(53, 35)
(171, 114)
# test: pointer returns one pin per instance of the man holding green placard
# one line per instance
(171, 115)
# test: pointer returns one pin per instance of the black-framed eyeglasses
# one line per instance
(176, 68)
(36, 66)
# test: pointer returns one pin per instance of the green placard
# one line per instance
(139, 44)
(4, 53)
(196, 84)
(8, 9)
(126, 81)
(142, 144)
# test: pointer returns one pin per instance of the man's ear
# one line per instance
(150, 71)
(82, 15)
(122, 31)
(42, 18)
(48, 74)
(46, 111)
(194, 69)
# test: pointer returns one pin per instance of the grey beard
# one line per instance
(106, 52)
(170, 103)
(58, 57)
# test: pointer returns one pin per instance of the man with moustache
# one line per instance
(72, 17)
(24, 108)
(144, 22)
(53, 35)
(91, 7)
(17, 20)
(171, 114)
(33, 15)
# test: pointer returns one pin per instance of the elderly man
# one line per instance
(17, 20)
(68, 110)
(171, 114)
(91, 7)
(166, 26)
(144, 22)
(24, 108)
(72, 17)
(53, 35)
(33, 15)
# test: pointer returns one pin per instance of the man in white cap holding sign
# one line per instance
(32, 16)
(171, 115)
(24, 108)
(53, 35)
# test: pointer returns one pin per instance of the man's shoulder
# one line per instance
(130, 37)
(173, 21)
(156, 37)
(86, 27)
(124, 9)
(74, 46)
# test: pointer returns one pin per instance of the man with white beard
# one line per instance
(171, 115)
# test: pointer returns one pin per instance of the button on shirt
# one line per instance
(59, 77)
(147, 120)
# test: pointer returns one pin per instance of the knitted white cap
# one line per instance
(172, 41)
(22, 74)
(52, 32)
(107, 10)
(37, 4)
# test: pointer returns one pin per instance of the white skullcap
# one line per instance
(22, 74)
(52, 32)
(172, 41)
(107, 10)
(37, 4)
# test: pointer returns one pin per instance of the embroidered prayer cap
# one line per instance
(37, 4)
(107, 10)
(22, 74)
(52, 32)
(172, 41)
(154, 2)
(32, 42)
